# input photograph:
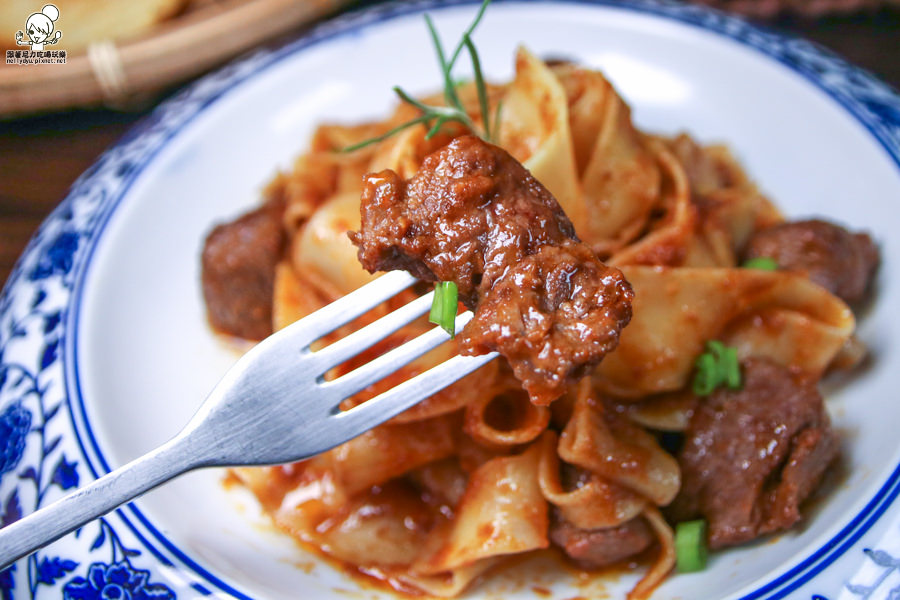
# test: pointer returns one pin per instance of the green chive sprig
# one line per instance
(435, 117)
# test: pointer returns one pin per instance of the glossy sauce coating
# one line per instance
(475, 216)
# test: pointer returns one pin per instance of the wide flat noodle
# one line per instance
(323, 172)
(268, 483)
(595, 504)
(293, 298)
(385, 526)
(573, 132)
(619, 176)
(669, 411)
(617, 450)
(445, 480)
(676, 311)
(665, 559)
(587, 94)
(323, 248)
(706, 211)
(668, 236)
(385, 452)
(506, 417)
(534, 128)
(448, 584)
(730, 208)
(405, 152)
(502, 512)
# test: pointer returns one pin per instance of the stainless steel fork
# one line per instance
(273, 406)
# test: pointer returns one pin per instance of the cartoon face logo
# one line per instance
(40, 29)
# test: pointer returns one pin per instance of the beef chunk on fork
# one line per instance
(553, 316)
(470, 212)
(474, 216)
(752, 456)
(238, 263)
(842, 262)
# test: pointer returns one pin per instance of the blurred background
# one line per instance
(124, 57)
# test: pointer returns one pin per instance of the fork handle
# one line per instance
(48, 524)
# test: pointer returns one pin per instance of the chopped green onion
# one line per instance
(763, 263)
(717, 366)
(731, 368)
(437, 305)
(705, 379)
(715, 347)
(690, 546)
(444, 305)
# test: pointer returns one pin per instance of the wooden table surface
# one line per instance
(40, 157)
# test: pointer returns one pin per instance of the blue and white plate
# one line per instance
(105, 349)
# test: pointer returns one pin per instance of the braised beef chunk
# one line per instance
(238, 262)
(838, 260)
(475, 216)
(554, 314)
(595, 548)
(469, 213)
(753, 455)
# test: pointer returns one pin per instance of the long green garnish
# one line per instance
(480, 86)
(444, 305)
(716, 367)
(435, 117)
(690, 546)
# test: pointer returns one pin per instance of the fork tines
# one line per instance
(405, 394)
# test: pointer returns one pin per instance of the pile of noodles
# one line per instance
(442, 493)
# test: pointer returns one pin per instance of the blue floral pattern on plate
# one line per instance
(115, 581)
(38, 451)
(41, 455)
